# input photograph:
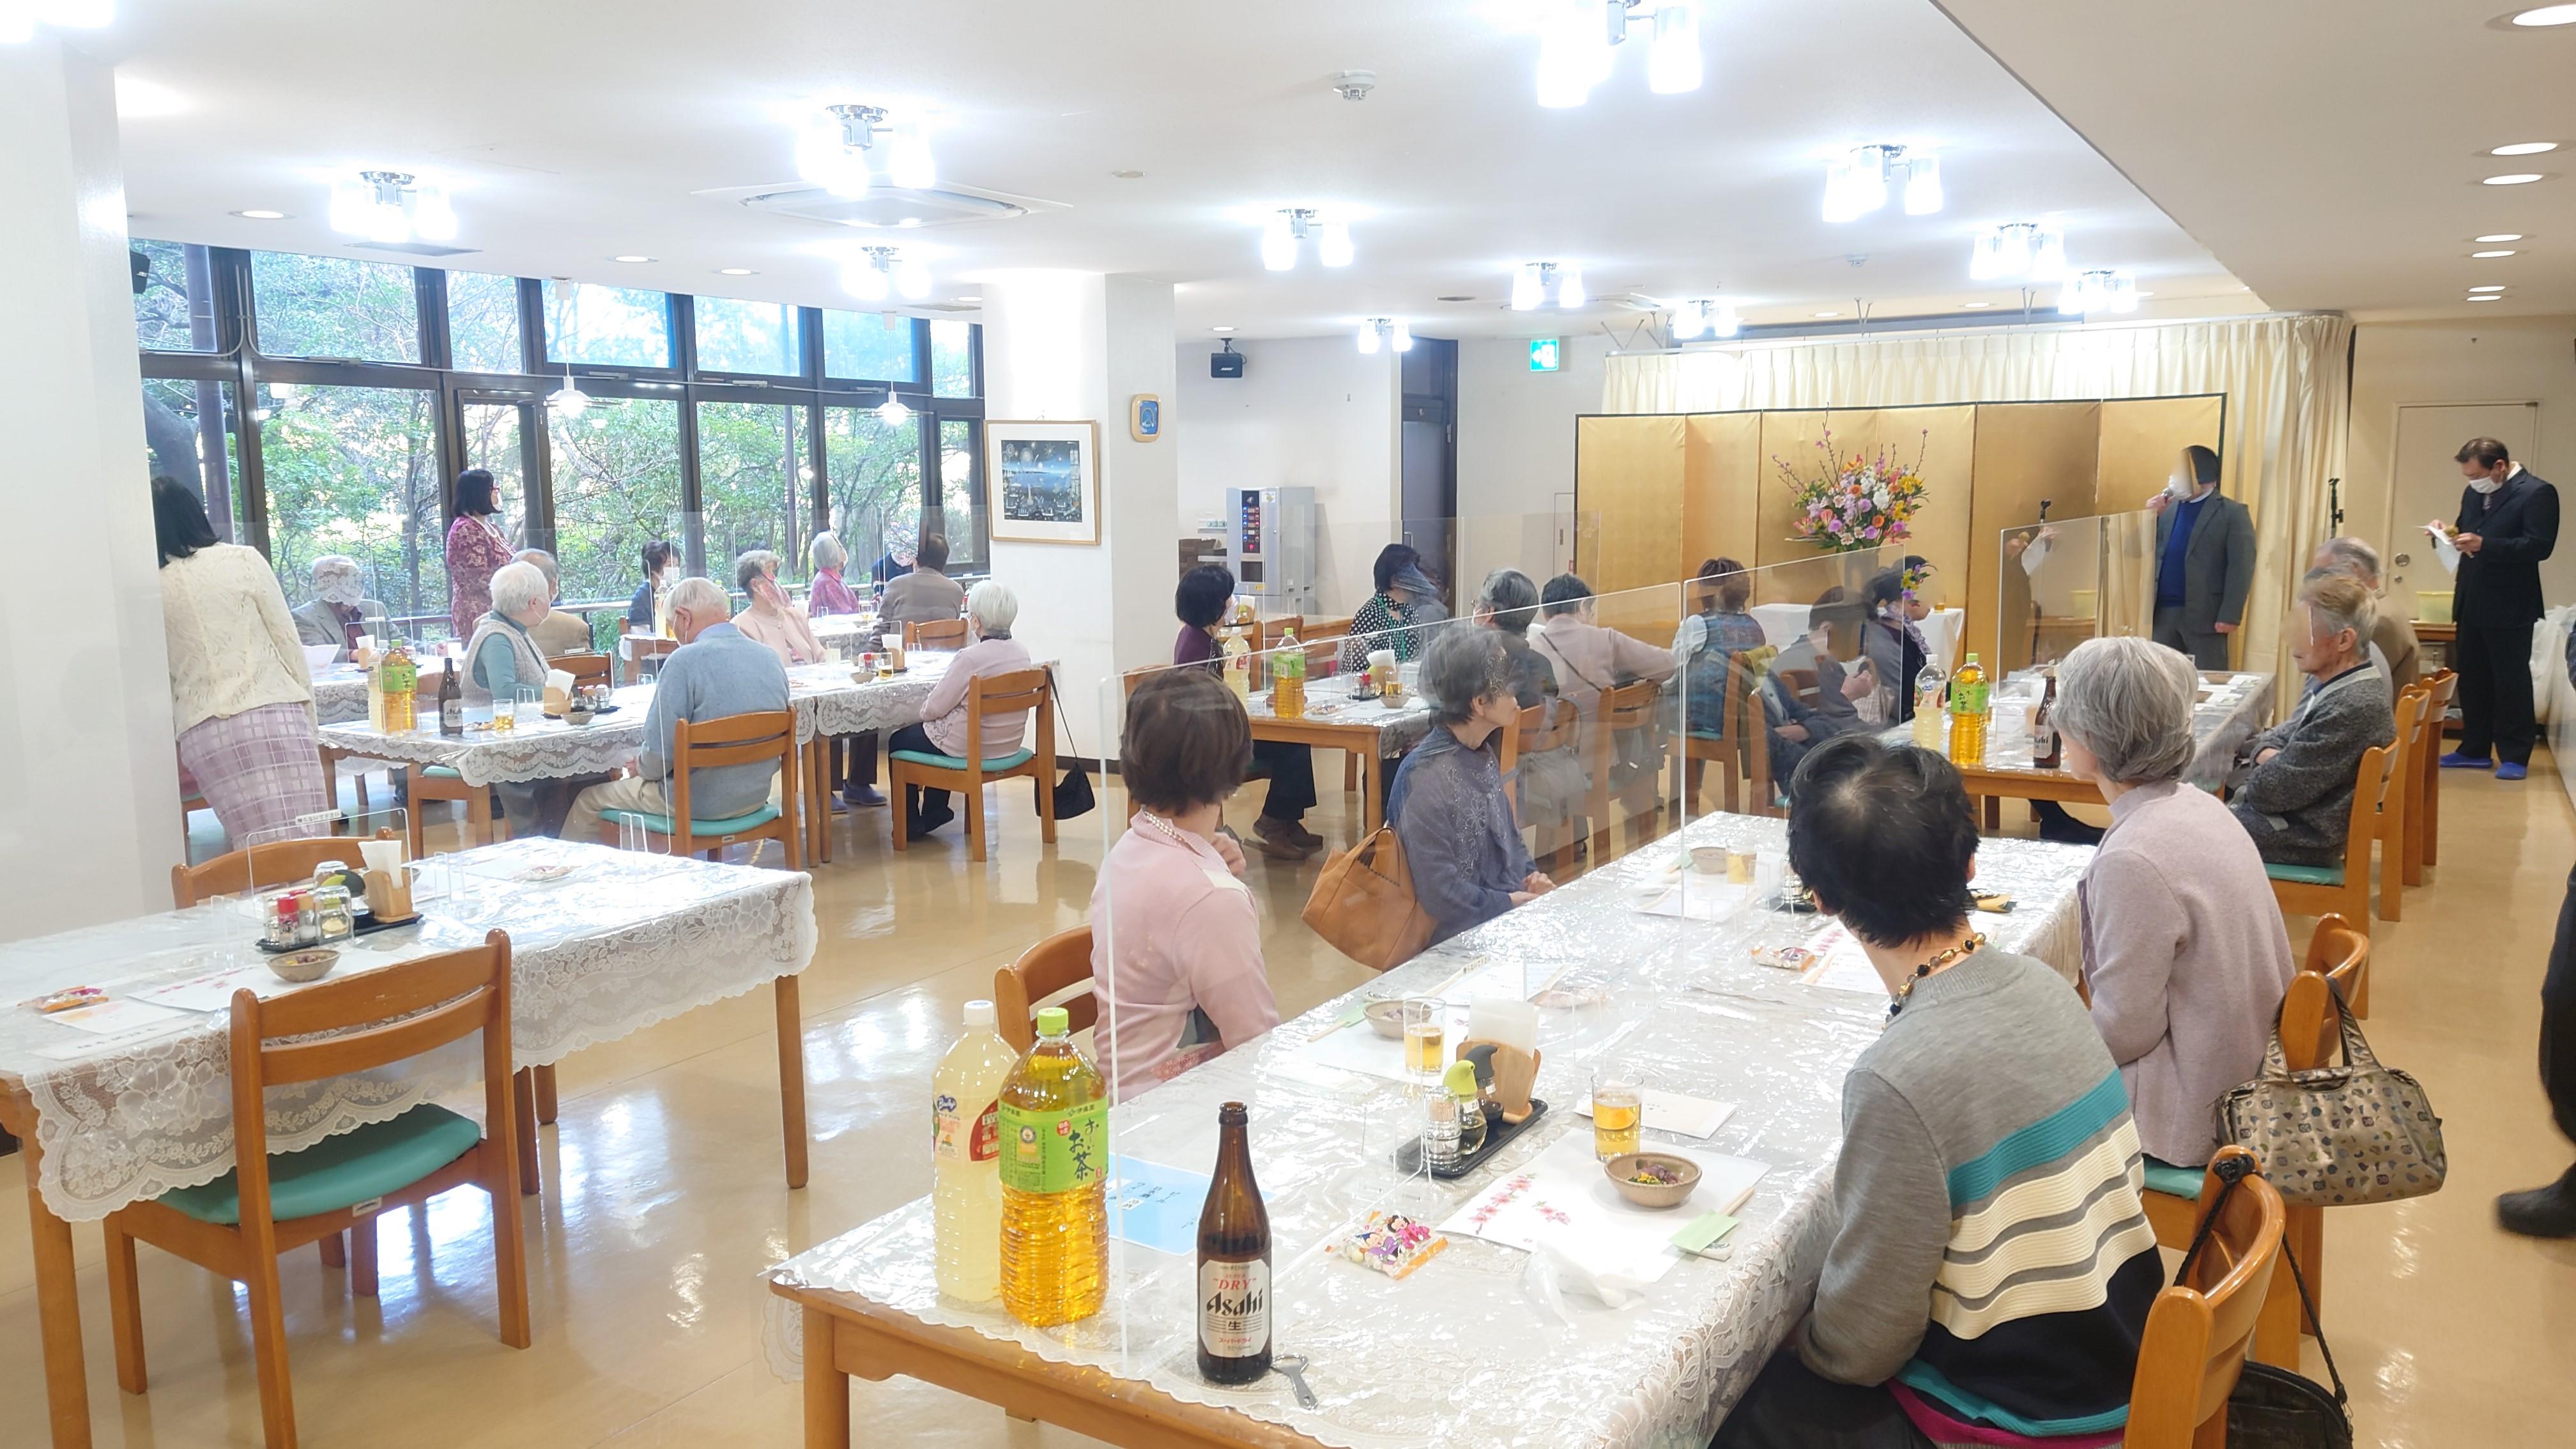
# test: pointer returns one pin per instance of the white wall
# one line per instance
(1307, 412)
(1516, 452)
(2464, 361)
(89, 780)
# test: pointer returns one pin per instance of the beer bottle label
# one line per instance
(1234, 1308)
(957, 1137)
(1056, 1151)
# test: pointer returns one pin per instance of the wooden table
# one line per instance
(1366, 730)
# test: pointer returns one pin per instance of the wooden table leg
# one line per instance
(57, 1296)
(818, 799)
(523, 1100)
(544, 1077)
(791, 1079)
(1994, 814)
(827, 1389)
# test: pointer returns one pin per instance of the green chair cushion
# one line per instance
(337, 1172)
(2172, 1181)
(731, 824)
(2315, 875)
(440, 772)
(1011, 761)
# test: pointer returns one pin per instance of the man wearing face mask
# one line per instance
(341, 610)
(2204, 561)
(2508, 524)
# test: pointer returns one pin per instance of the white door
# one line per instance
(2426, 485)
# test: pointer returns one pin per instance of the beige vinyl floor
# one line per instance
(664, 1198)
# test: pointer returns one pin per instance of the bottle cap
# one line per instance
(979, 1013)
(1052, 1021)
(1460, 1079)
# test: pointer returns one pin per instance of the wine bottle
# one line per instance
(1234, 1262)
(451, 698)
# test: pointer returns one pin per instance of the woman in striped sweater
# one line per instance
(1993, 1268)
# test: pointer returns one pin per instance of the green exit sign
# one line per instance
(1543, 354)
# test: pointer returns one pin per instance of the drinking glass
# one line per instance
(1618, 1112)
(1426, 1026)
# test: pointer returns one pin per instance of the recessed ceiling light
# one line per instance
(260, 214)
(909, 221)
(2486, 297)
(1972, 306)
(970, 299)
(1829, 314)
(2502, 236)
(2515, 178)
(1127, 175)
(2490, 287)
(2524, 148)
(733, 271)
(2142, 294)
(2484, 256)
(630, 258)
(1220, 329)
(2546, 15)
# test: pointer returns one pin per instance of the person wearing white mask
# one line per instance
(2508, 524)
(661, 570)
(2204, 561)
(341, 610)
(2392, 637)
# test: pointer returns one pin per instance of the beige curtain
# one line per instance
(2285, 379)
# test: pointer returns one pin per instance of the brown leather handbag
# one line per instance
(1363, 904)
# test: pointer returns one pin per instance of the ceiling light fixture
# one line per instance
(569, 399)
(1291, 225)
(2032, 251)
(2546, 15)
(631, 258)
(2489, 287)
(1532, 280)
(2502, 236)
(2517, 178)
(1577, 41)
(971, 299)
(2524, 148)
(1857, 184)
(2490, 256)
(2486, 297)
(1973, 306)
(391, 207)
(1704, 317)
(892, 412)
(261, 214)
(832, 149)
(18, 17)
(1220, 331)
(735, 272)
(1391, 331)
(2099, 290)
(1829, 314)
(872, 272)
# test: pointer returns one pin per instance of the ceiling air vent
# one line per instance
(881, 208)
(414, 249)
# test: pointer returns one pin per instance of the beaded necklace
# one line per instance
(1905, 988)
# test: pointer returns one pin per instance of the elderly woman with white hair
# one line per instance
(771, 618)
(2185, 955)
(829, 594)
(501, 659)
(2391, 635)
(991, 609)
(2296, 781)
(341, 610)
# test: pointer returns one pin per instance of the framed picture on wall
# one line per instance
(1043, 482)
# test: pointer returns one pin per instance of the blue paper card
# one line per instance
(1157, 1207)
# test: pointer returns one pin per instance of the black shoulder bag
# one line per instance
(2277, 1408)
(1073, 798)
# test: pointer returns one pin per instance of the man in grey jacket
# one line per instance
(715, 672)
(2204, 561)
(2295, 794)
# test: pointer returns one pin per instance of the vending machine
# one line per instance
(1270, 533)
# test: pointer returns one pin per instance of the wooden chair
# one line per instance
(441, 782)
(1323, 640)
(2391, 829)
(2341, 953)
(947, 634)
(1547, 725)
(764, 736)
(991, 695)
(241, 1223)
(276, 863)
(2313, 890)
(588, 671)
(2199, 1332)
(1742, 752)
(1050, 966)
(2424, 822)
(1617, 712)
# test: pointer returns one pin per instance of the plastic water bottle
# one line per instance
(1055, 1175)
(1238, 665)
(1288, 677)
(1930, 693)
(966, 1153)
(1968, 705)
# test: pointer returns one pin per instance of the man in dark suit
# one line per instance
(2508, 524)
(2204, 561)
(2550, 1212)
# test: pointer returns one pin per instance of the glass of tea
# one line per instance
(1426, 1025)
(1618, 1112)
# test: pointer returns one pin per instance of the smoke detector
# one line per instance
(1354, 85)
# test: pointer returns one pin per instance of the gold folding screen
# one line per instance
(1987, 466)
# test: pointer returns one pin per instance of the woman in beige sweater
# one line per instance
(240, 697)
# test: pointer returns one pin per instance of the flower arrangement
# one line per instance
(1855, 503)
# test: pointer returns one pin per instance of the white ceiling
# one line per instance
(2330, 154)
(572, 133)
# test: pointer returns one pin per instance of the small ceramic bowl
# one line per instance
(578, 717)
(1708, 859)
(1387, 1017)
(302, 966)
(1676, 1178)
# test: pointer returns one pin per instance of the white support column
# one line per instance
(89, 786)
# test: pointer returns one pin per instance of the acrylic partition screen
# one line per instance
(2061, 582)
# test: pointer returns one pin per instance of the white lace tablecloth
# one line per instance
(1460, 1352)
(624, 941)
(340, 690)
(831, 700)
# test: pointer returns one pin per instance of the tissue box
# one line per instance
(558, 692)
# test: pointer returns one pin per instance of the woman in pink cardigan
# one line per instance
(476, 550)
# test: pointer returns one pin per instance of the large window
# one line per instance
(174, 302)
(354, 470)
(188, 433)
(755, 484)
(875, 472)
(760, 337)
(961, 501)
(617, 486)
(613, 326)
(335, 307)
(869, 347)
(483, 322)
(952, 358)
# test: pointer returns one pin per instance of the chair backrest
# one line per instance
(2441, 687)
(2409, 711)
(995, 695)
(1631, 705)
(586, 669)
(1273, 630)
(2337, 949)
(278, 862)
(1323, 640)
(1750, 725)
(1800, 682)
(2309, 1027)
(1050, 966)
(734, 739)
(1546, 725)
(2369, 788)
(936, 634)
(2199, 1332)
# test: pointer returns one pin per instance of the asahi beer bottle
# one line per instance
(1234, 1262)
(451, 698)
